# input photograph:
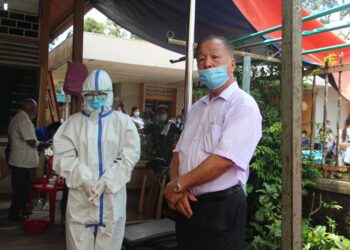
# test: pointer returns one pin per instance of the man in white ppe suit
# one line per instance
(95, 151)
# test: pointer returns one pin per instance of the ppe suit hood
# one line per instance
(98, 80)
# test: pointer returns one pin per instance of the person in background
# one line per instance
(95, 151)
(136, 118)
(211, 159)
(46, 133)
(179, 122)
(324, 141)
(163, 135)
(344, 143)
(23, 157)
(304, 139)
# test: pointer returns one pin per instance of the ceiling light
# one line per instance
(5, 5)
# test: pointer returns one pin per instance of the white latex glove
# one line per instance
(88, 188)
(98, 189)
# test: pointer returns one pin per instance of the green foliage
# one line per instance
(109, 28)
(114, 29)
(199, 92)
(264, 187)
(91, 25)
(321, 238)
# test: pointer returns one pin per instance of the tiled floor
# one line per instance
(14, 237)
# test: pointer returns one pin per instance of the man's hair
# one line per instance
(224, 40)
(28, 103)
(133, 109)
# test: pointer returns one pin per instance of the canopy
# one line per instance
(153, 20)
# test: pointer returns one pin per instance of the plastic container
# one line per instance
(36, 226)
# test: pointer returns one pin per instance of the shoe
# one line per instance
(18, 218)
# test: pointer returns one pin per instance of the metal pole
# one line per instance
(324, 127)
(339, 113)
(304, 19)
(313, 112)
(291, 125)
(334, 47)
(305, 33)
(246, 74)
(189, 54)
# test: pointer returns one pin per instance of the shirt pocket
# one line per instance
(211, 138)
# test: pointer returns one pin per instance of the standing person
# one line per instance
(344, 143)
(179, 122)
(211, 160)
(95, 151)
(163, 135)
(136, 118)
(23, 157)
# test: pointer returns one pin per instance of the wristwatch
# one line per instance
(177, 187)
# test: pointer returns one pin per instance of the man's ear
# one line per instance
(233, 64)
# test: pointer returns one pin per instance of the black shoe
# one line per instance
(17, 218)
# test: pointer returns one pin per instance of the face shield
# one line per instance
(97, 91)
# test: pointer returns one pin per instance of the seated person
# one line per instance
(304, 139)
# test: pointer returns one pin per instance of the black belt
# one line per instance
(219, 194)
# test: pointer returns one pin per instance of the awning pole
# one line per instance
(189, 55)
(334, 47)
(246, 74)
(305, 33)
(304, 19)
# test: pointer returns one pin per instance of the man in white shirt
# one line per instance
(211, 159)
(23, 157)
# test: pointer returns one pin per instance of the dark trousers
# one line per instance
(217, 223)
(21, 184)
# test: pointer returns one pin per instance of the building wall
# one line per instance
(332, 110)
(130, 94)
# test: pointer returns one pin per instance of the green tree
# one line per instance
(114, 29)
(91, 25)
(319, 5)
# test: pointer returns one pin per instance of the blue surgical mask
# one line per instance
(96, 102)
(163, 118)
(214, 78)
(137, 113)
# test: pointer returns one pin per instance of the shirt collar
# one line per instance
(224, 94)
(26, 114)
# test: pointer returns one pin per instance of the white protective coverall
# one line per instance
(89, 146)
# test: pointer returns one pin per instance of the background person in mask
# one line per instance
(211, 159)
(163, 135)
(23, 157)
(179, 122)
(95, 151)
(136, 118)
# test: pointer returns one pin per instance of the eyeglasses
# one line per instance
(94, 93)
(98, 96)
